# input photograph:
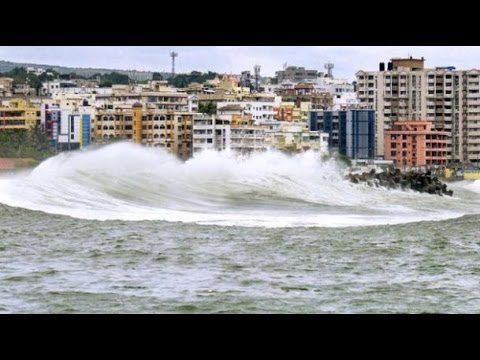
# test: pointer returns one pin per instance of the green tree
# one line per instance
(25, 143)
(107, 80)
(157, 76)
(209, 108)
(183, 80)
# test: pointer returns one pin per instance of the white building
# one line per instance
(193, 103)
(247, 138)
(67, 122)
(346, 100)
(211, 132)
(261, 111)
(336, 87)
(50, 87)
(36, 71)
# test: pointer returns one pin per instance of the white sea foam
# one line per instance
(128, 182)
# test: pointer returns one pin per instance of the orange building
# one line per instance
(415, 143)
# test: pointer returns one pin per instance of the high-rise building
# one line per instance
(406, 90)
(350, 132)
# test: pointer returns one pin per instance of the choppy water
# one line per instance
(127, 229)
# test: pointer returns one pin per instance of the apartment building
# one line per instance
(260, 108)
(296, 74)
(18, 114)
(406, 90)
(416, 143)
(211, 132)
(67, 123)
(145, 124)
(350, 132)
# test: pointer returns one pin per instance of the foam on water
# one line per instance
(128, 182)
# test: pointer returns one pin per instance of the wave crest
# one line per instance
(129, 182)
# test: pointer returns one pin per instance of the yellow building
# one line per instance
(146, 125)
(18, 114)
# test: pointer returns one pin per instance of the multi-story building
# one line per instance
(293, 137)
(67, 123)
(215, 98)
(145, 124)
(261, 108)
(415, 143)
(211, 132)
(193, 103)
(406, 90)
(347, 100)
(246, 79)
(18, 114)
(351, 132)
(336, 87)
(284, 112)
(319, 100)
(171, 100)
(296, 74)
(51, 87)
(245, 135)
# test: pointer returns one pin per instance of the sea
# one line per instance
(129, 229)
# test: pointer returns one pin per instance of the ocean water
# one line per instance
(126, 229)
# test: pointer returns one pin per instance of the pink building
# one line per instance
(415, 143)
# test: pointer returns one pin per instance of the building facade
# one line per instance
(18, 114)
(350, 132)
(211, 132)
(406, 90)
(296, 74)
(146, 125)
(416, 143)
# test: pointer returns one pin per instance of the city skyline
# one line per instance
(234, 59)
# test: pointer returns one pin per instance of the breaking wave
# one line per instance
(124, 181)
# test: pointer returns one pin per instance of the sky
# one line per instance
(234, 59)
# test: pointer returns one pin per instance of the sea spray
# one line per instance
(270, 189)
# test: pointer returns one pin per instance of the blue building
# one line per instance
(351, 132)
(85, 139)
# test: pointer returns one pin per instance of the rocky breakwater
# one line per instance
(422, 182)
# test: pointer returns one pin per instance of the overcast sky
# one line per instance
(234, 59)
